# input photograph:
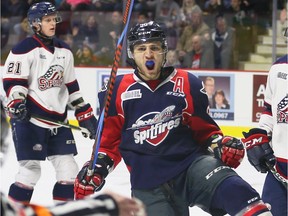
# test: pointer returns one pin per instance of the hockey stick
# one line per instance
(51, 121)
(277, 175)
(110, 86)
(60, 123)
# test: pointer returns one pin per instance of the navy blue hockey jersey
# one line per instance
(157, 132)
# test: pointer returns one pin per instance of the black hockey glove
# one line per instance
(228, 149)
(259, 151)
(87, 183)
(86, 119)
(16, 109)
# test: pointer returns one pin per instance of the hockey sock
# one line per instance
(233, 195)
(19, 193)
(255, 209)
(63, 192)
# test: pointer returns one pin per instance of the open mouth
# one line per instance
(150, 64)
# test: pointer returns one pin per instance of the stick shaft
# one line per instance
(277, 175)
(110, 85)
(60, 123)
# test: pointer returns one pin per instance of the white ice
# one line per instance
(117, 181)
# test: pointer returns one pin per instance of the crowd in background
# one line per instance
(225, 31)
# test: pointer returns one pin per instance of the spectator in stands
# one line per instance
(260, 12)
(17, 8)
(69, 39)
(110, 31)
(23, 29)
(171, 29)
(242, 23)
(142, 17)
(283, 16)
(172, 59)
(238, 11)
(14, 11)
(75, 31)
(164, 10)
(221, 101)
(201, 54)
(209, 85)
(186, 13)
(89, 32)
(215, 7)
(85, 57)
(197, 27)
(167, 14)
(222, 37)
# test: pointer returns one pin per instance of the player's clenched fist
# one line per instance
(89, 181)
(229, 149)
(86, 185)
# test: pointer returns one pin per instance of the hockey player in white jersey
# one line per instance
(107, 203)
(39, 79)
(267, 145)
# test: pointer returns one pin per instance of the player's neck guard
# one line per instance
(48, 41)
(43, 36)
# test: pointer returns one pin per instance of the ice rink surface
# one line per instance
(117, 181)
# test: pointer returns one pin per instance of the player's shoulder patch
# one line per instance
(25, 46)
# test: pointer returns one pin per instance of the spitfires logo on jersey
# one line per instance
(282, 110)
(154, 127)
(52, 78)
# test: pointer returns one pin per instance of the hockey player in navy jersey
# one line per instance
(158, 121)
(39, 79)
(273, 126)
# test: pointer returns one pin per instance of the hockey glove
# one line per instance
(86, 119)
(17, 109)
(228, 149)
(87, 183)
(259, 151)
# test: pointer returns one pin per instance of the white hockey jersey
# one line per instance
(45, 75)
(275, 117)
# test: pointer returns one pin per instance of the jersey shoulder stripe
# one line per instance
(194, 82)
(60, 44)
(31, 43)
(25, 46)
